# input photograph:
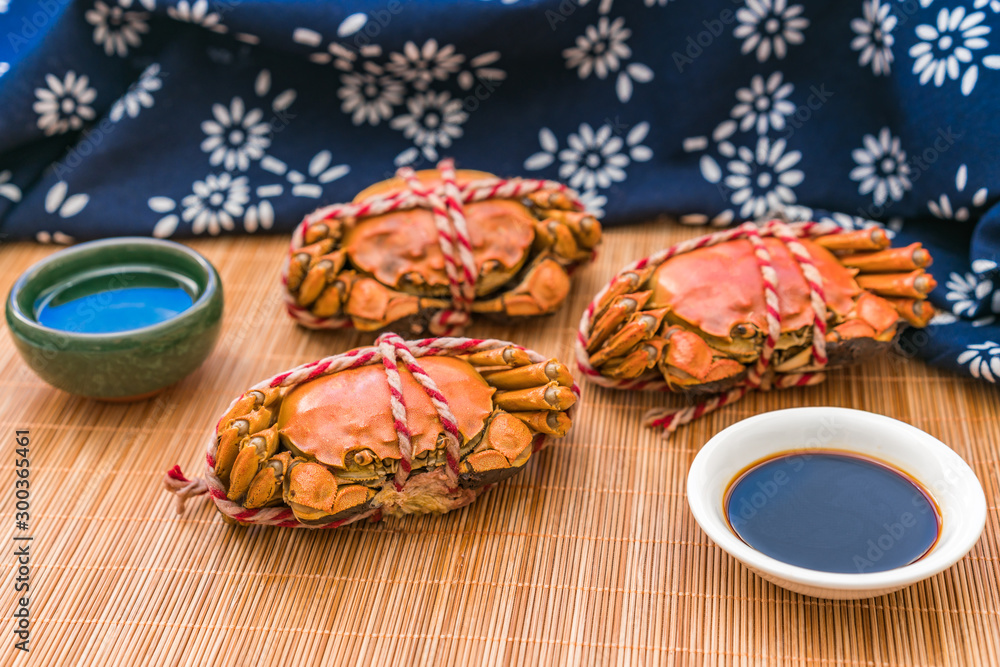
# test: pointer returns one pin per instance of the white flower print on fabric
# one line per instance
(58, 238)
(4, 68)
(422, 66)
(983, 360)
(4, 4)
(882, 169)
(116, 28)
(874, 36)
(992, 4)
(434, 121)
(854, 222)
(197, 12)
(949, 45)
(369, 96)
(601, 51)
(481, 69)
(942, 208)
(417, 91)
(235, 136)
(56, 201)
(592, 159)
(593, 202)
(212, 206)
(320, 170)
(967, 292)
(7, 189)
(138, 96)
(65, 104)
(768, 26)
(762, 105)
(761, 180)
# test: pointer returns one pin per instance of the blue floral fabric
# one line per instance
(180, 118)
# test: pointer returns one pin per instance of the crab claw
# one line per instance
(641, 326)
(310, 490)
(689, 360)
(372, 305)
(544, 287)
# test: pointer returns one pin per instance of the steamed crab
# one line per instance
(329, 448)
(372, 271)
(698, 321)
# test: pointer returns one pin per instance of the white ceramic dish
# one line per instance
(940, 470)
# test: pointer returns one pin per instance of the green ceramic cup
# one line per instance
(124, 365)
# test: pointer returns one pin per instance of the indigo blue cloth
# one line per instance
(182, 118)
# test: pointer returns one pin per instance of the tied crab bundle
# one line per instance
(397, 428)
(751, 308)
(427, 250)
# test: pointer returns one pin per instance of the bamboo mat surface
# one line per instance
(588, 557)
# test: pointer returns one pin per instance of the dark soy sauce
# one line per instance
(832, 511)
(121, 301)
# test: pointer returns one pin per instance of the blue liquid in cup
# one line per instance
(122, 303)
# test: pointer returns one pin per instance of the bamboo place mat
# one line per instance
(590, 556)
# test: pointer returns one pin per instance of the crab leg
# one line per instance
(889, 260)
(551, 199)
(254, 452)
(321, 272)
(861, 239)
(303, 259)
(622, 284)
(552, 396)
(584, 227)
(530, 376)
(641, 326)
(621, 308)
(637, 362)
(231, 437)
(545, 421)
(500, 356)
(917, 312)
(914, 285)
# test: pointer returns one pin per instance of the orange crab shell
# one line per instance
(335, 415)
(400, 243)
(720, 286)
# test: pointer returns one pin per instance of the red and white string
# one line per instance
(757, 377)
(446, 200)
(389, 350)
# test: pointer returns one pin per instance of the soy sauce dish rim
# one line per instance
(198, 305)
(743, 444)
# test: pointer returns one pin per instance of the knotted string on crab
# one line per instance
(435, 247)
(752, 307)
(442, 420)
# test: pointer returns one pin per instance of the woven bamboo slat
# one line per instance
(588, 557)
